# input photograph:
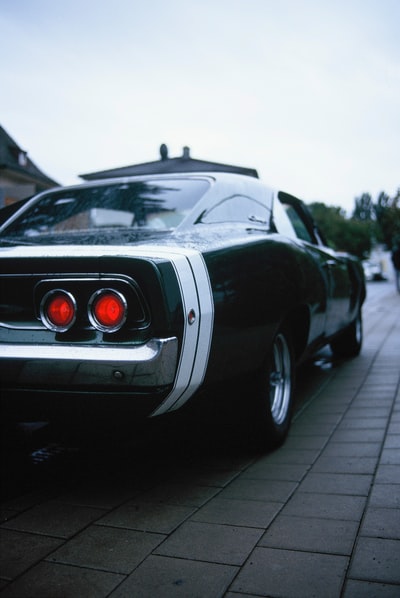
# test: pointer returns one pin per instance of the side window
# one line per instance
(237, 208)
(298, 224)
(282, 221)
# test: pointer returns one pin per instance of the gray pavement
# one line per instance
(320, 517)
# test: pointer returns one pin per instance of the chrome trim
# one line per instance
(34, 366)
(23, 326)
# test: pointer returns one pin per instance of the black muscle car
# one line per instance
(135, 294)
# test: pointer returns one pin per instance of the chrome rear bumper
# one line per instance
(53, 366)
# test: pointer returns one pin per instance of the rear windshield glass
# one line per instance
(150, 204)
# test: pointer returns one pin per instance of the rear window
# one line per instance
(159, 204)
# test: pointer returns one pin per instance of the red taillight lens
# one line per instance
(58, 310)
(107, 310)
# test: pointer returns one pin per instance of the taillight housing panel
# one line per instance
(107, 305)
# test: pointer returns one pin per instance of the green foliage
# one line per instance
(342, 234)
(364, 208)
(370, 223)
(387, 212)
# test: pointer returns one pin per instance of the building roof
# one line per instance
(164, 165)
(15, 162)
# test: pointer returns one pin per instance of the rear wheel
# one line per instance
(349, 342)
(273, 395)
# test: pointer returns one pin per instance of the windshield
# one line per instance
(159, 204)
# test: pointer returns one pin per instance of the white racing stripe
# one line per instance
(196, 296)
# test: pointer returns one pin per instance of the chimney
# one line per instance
(163, 152)
(186, 153)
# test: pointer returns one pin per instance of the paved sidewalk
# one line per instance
(320, 517)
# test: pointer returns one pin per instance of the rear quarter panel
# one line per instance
(257, 283)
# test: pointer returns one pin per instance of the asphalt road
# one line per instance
(38, 455)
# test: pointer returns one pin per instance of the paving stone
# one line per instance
(107, 548)
(305, 442)
(388, 474)
(220, 461)
(363, 435)
(168, 577)
(327, 506)
(374, 397)
(47, 580)
(269, 471)
(376, 559)
(311, 534)
(392, 441)
(352, 449)
(317, 416)
(294, 456)
(390, 456)
(179, 494)
(354, 465)
(29, 500)
(98, 494)
(268, 490)
(368, 589)
(54, 518)
(387, 379)
(385, 495)
(146, 516)
(7, 514)
(247, 513)
(211, 542)
(364, 423)
(394, 427)
(290, 574)
(381, 523)
(363, 411)
(344, 382)
(302, 428)
(204, 476)
(20, 551)
(337, 483)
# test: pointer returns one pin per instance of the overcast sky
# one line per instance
(305, 91)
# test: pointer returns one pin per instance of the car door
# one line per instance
(338, 287)
(333, 266)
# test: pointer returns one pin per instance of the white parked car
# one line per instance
(373, 270)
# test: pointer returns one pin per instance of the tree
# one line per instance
(370, 223)
(383, 216)
(342, 234)
(364, 208)
(387, 211)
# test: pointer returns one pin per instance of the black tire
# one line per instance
(349, 342)
(272, 400)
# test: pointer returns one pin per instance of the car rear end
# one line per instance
(101, 328)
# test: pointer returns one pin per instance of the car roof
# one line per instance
(225, 177)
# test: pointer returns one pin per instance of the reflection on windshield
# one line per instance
(149, 205)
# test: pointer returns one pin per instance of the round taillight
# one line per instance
(107, 310)
(58, 310)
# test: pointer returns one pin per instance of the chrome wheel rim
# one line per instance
(280, 380)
